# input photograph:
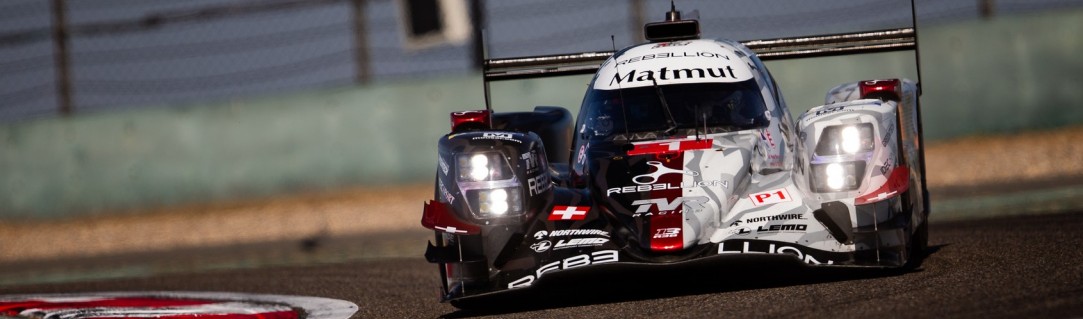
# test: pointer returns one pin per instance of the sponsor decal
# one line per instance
(580, 161)
(770, 197)
(666, 74)
(659, 170)
(443, 166)
(569, 212)
(761, 247)
(579, 242)
(173, 305)
(541, 246)
(443, 192)
(829, 110)
(578, 232)
(530, 161)
(467, 112)
(671, 44)
(665, 186)
(667, 233)
(497, 136)
(582, 156)
(594, 258)
(826, 111)
(888, 165)
(665, 207)
(765, 135)
(775, 217)
(538, 184)
(793, 228)
(647, 182)
(887, 135)
(544, 245)
(570, 232)
(667, 55)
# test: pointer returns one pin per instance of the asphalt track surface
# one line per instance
(1029, 266)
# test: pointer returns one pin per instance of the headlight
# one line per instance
(490, 185)
(846, 139)
(837, 177)
(497, 202)
(481, 167)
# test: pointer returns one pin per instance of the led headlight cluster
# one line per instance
(846, 139)
(490, 185)
(480, 167)
(496, 202)
(837, 177)
(840, 157)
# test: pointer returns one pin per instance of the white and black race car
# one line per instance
(683, 150)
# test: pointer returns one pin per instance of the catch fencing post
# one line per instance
(63, 73)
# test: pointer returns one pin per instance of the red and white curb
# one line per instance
(173, 305)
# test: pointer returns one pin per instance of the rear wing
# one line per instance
(901, 39)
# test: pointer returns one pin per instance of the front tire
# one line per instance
(919, 243)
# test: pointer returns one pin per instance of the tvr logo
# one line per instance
(663, 204)
(530, 161)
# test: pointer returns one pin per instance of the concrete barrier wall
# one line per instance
(985, 76)
(997, 76)
(159, 156)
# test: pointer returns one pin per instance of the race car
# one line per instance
(683, 150)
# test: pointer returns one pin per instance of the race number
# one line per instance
(770, 197)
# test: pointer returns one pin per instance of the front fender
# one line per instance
(866, 170)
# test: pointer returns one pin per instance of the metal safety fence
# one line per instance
(67, 57)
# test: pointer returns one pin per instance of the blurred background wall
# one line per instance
(208, 100)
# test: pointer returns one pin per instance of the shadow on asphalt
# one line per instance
(621, 284)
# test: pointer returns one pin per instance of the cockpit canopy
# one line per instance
(638, 113)
(676, 88)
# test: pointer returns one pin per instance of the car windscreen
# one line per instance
(713, 107)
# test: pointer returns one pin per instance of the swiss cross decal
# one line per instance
(569, 213)
(770, 197)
